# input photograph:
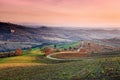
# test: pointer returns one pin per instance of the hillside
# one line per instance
(19, 33)
(42, 35)
(34, 66)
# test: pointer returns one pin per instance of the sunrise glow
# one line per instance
(62, 12)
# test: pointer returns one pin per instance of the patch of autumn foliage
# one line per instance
(18, 52)
(48, 50)
(9, 54)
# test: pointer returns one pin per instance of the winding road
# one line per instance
(82, 42)
(49, 56)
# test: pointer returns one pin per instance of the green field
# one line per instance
(66, 45)
(33, 65)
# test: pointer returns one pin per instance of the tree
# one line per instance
(55, 46)
(89, 44)
(70, 48)
(48, 50)
(18, 52)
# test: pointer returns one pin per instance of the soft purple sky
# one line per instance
(62, 12)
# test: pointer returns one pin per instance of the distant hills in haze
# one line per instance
(20, 33)
(13, 36)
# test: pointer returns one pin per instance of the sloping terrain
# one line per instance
(52, 34)
(42, 35)
(113, 41)
(34, 66)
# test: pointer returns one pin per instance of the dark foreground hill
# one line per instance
(18, 33)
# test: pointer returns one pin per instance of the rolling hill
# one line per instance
(43, 35)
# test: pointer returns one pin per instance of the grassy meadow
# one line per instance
(66, 45)
(33, 65)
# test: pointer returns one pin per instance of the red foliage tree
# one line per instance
(48, 50)
(18, 52)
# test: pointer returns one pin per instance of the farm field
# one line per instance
(35, 66)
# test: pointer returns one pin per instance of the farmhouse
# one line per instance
(12, 30)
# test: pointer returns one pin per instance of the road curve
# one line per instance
(49, 57)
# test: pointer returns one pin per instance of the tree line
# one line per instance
(10, 54)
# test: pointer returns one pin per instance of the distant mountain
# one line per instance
(19, 33)
(14, 36)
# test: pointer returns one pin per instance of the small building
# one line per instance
(12, 30)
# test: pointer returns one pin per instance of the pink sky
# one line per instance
(62, 12)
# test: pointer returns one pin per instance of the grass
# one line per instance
(34, 66)
(29, 56)
(67, 45)
(26, 57)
